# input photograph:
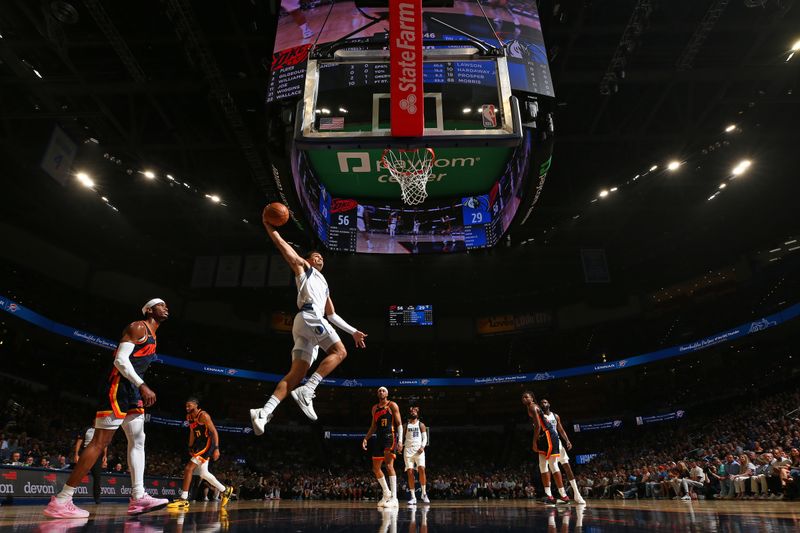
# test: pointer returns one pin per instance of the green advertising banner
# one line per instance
(456, 172)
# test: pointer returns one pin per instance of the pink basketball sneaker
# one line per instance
(56, 509)
(145, 504)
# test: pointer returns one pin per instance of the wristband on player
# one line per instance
(339, 322)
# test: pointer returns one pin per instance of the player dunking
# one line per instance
(293, 8)
(544, 429)
(414, 454)
(125, 397)
(203, 446)
(563, 458)
(311, 331)
(388, 428)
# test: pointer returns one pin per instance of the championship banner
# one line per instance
(405, 66)
(596, 426)
(676, 415)
(40, 483)
(743, 330)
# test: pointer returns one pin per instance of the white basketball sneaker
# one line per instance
(259, 418)
(304, 396)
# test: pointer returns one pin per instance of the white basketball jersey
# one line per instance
(312, 290)
(550, 418)
(413, 438)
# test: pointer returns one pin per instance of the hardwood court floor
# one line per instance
(456, 516)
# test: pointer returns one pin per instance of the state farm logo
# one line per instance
(11, 476)
(112, 481)
(409, 104)
(50, 477)
(406, 44)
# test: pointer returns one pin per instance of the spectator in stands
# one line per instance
(5, 452)
(732, 469)
(15, 460)
(747, 471)
(29, 462)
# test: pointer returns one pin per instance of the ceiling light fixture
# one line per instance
(85, 180)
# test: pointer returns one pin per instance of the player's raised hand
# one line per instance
(359, 337)
(215, 455)
(364, 444)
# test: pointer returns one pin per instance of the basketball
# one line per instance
(275, 214)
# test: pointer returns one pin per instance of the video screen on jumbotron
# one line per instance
(382, 224)
(411, 315)
(516, 22)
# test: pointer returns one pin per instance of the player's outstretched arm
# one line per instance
(296, 263)
(424, 431)
(134, 333)
(339, 322)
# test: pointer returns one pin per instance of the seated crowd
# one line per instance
(749, 454)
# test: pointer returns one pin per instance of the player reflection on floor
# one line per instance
(410, 244)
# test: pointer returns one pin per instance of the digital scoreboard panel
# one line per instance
(411, 315)
(517, 22)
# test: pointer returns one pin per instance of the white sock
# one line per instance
(271, 404)
(313, 381)
(384, 486)
(562, 492)
(393, 485)
(134, 431)
(574, 485)
(565, 521)
(184, 494)
(551, 521)
(66, 494)
(548, 491)
(422, 489)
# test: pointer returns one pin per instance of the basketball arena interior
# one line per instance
(562, 233)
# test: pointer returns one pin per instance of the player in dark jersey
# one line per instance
(388, 429)
(563, 456)
(203, 446)
(125, 396)
(547, 445)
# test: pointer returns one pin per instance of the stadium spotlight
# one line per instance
(673, 165)
(149, 174)
(603, 193)
(214, 198)
(730, 128)
(653, 168)
(85, 180)
(741, 167)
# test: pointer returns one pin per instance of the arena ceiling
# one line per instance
(178, 87)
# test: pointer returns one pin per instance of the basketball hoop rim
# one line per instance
(405, 173)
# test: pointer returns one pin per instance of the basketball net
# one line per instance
(411, 169)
